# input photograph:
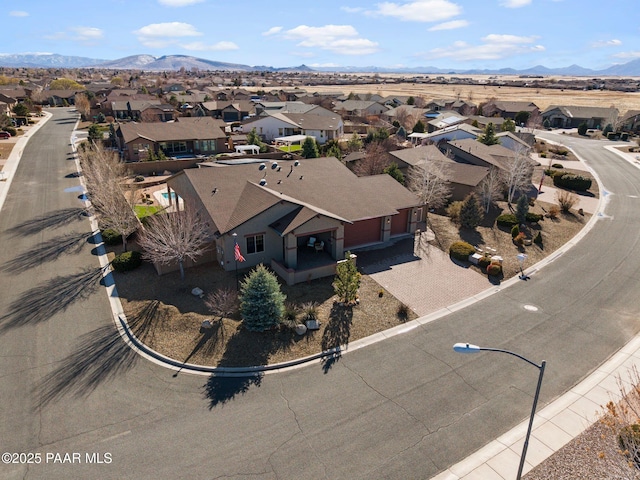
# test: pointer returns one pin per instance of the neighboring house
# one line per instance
(360, 108)
(10, 102)
(269, 108)
(152, 110)
(461, 106)
(456, 132)
(187, 137)
(58, 98)
(508, 109)
(320, 127)
(631, 121)
(298, 218)
(477, 153)
(565, 116)
(463, 178)
(226, 110)
(444, 120)
(404, 111)
(512, 141)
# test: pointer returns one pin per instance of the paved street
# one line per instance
(407, 407)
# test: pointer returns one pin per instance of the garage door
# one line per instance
(361, 233)
(400, 222)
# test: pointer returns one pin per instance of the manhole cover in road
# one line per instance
(531, 308)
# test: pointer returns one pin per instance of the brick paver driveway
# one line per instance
(420, 275)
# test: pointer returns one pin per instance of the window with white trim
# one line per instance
(255, 243)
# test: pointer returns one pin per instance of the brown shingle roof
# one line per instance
(321, 185)
(165, 131)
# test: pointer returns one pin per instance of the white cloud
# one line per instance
(515, 3)
(419, 10)
(493, 47)
(179, 3)
(614, 42)
(340, 39)
(272, 31)
(324, 65)
(452, 25)
(215, 47)
(160, 35)
(87, 34)
(632, 55)
(18, 13)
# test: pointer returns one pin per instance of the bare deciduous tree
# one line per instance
(490, 189)
(429, 180)
(405, 118)
(517, 175)
(223, 302)
(175, 237)
(374, 161)
(83, 106)
(104, 176)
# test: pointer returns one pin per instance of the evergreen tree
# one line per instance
(261, 300)
(411, 101)
(522, 208)
(95, 133)
(489, 136)
(395, 172)
(509, 125)
(347, 280)
(418, 127)
(470, 212)
(355, 143)
(310, 148)
(402, 133)
(582, 129)
(522, 117)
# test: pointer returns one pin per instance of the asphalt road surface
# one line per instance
(408, 407)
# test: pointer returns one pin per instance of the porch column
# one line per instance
(337, 245)
(413, 219)
(290, 251)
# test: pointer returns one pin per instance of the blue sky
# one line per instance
(460, 34)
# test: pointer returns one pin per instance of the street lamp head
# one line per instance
(466, 348)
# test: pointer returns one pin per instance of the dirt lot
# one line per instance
(543, 98)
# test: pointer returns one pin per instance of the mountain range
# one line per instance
(176, 62)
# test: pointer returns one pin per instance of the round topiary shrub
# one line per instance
(494, 269)
(556, 165)
(127, 261)
(461, 251)
(111, 237)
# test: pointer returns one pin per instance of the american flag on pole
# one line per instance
(237, 254)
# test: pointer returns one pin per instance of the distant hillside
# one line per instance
(176, 62)
(45, 60)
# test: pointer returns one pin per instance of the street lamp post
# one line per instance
(468, 348)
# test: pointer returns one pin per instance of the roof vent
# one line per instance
(263, 182)
(262, 166)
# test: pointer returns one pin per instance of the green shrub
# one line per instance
(582, 129)
(111, 237)
(628, 440)
(494, 269)
(507, 220)
(11, 130)
(556, 165)
(461, 250)
(543, 155)
(572, 182)
(515, 231)
(550, 172)
(127, 261)
(484, 262)
(534, 217)
(538, 239)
